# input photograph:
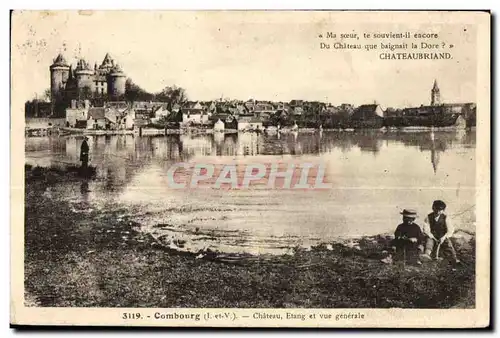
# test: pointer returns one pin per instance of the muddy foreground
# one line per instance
(95, 260)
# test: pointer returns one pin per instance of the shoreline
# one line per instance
(182, 131)
(76, 258)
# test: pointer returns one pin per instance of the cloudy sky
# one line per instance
(264, 55)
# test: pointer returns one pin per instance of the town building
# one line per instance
(219, 125)
(97, 118)
(438, 108)
(194, 113)
(161, 113)
(127, 119)
(249, 123)
(77, 114)
(437, 114)
(368, 116)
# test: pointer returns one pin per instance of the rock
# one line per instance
(349, 244)
(460, 234)
(462, 241)
(387, 260)
(172, 246)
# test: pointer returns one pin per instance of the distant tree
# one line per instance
(134, 93)
(281, 119)
(131, 91)
(172, 95)
(37, 106)
(47, 95)
(30, 108)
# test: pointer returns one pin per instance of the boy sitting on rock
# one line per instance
(438, 229)
(407, 239)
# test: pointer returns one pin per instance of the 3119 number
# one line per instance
(129, 315)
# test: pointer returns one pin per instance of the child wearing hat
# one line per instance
(438, 229)
(408, 237)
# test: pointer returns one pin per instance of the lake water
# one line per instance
(373, 176)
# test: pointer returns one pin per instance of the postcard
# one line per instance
(250, 168)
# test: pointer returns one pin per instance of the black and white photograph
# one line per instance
(250, 168)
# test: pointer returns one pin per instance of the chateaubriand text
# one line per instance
(414, 56)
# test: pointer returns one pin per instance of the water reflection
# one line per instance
(84, 188)
(116, 155)
(373, 173)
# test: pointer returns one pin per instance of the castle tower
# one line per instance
(59, 73)
(116, 83)
(84, 80)
(435, 95)
(71, 92)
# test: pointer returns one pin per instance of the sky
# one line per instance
(242, 55)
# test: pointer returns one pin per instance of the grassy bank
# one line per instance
(100, 260)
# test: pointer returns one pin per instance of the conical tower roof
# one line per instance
(82, 65)
(435, 86)
(107, 62)
(117, 68)
(60, 61)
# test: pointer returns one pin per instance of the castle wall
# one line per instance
(58, 78)
(101, 87)
(85, 79)
(116, 86)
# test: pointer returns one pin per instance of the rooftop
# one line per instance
(97, 113)
(108, 62)
(60, 61)
(82, 65)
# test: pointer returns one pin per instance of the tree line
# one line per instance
(171, 95)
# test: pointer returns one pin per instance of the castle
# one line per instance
(105, 82)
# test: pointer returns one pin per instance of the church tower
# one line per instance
(435, 95)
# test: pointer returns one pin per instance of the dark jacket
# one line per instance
(405, 231)
(438, 228)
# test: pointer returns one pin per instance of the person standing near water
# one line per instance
(84, 154)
